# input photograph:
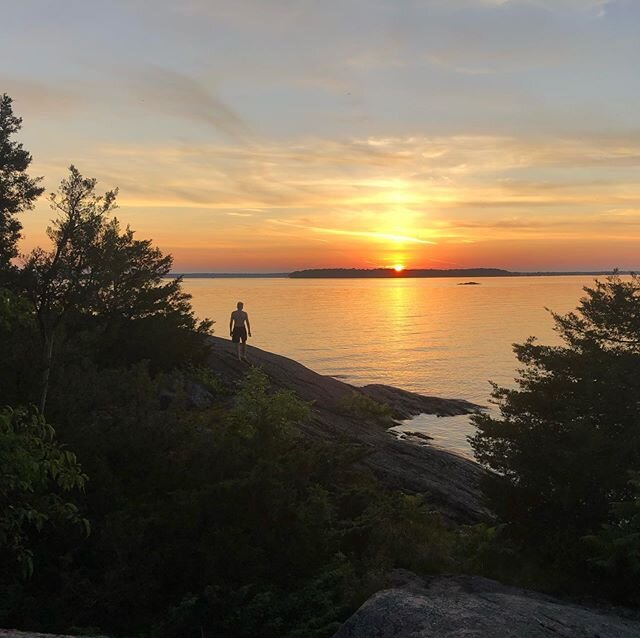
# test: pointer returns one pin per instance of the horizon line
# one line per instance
(406, 273)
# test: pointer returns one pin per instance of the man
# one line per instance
(238, 330)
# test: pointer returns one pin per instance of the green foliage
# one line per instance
(18, 191)
(18, 360)
(309, 612)
(14, 311)
(490, 550)
(568, 434)
(615, 549)
(364, 408)
(207, 379)
(483, 550)
(35, 472)
(226, 519)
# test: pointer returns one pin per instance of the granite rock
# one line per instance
(469, 606)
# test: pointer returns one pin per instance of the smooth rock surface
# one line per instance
(449, 481)
(469, 606)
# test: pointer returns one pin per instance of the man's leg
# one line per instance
(244, 349)
(238, 350)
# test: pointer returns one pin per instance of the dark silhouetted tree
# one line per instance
(60, 279)
(569, 433)
(98, 277)
(18, 191)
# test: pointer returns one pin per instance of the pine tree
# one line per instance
(18, 191)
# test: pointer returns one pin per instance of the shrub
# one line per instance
(365, 408)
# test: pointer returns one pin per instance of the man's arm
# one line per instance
(231, 325)
(248, 325)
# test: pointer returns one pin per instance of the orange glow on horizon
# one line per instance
(310, 215)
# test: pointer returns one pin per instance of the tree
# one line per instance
(141, 312)
(60, 280)
(97, 274)
(18, 191)
(35, 472)
(19, 360)
(569, 432)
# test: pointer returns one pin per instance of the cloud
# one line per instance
(379, 236)
(512, 223)
(550, 5)
(38, 98)
(377, 176)
(170, 92)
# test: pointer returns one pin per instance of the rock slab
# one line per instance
(474, 607)
(450, 482)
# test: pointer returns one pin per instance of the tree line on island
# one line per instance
(384, 273)
(420, 273)
(128, 508)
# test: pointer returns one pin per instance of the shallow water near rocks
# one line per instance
(448, 432)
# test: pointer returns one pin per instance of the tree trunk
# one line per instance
(47, 357)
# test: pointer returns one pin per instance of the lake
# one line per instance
(432, 336)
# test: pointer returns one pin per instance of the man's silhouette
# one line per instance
(238, 330)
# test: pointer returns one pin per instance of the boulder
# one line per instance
(469, 606)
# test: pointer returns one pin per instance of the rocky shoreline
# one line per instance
(450, 482)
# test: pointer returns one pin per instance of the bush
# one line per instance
(615, 549)
(226, 521)
(364, 408)
(35, 473)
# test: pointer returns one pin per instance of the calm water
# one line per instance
(427, 335)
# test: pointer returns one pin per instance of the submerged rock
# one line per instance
(465, 606)
(449, 481)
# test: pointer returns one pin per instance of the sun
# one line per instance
(398, 267)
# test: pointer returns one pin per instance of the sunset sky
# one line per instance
(271, 135)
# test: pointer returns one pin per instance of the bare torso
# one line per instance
(239, 318)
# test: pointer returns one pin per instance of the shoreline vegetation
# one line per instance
(391, 273)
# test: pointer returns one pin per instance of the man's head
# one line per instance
(240, 305)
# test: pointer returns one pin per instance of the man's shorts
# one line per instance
(239, 334)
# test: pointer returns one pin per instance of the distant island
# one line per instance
(384, 273)
(229, 275)
(391, 273)
(380, 273)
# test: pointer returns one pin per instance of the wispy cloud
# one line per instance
(40, 98)
(384, 176)
(170, 92)
(378, 236)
